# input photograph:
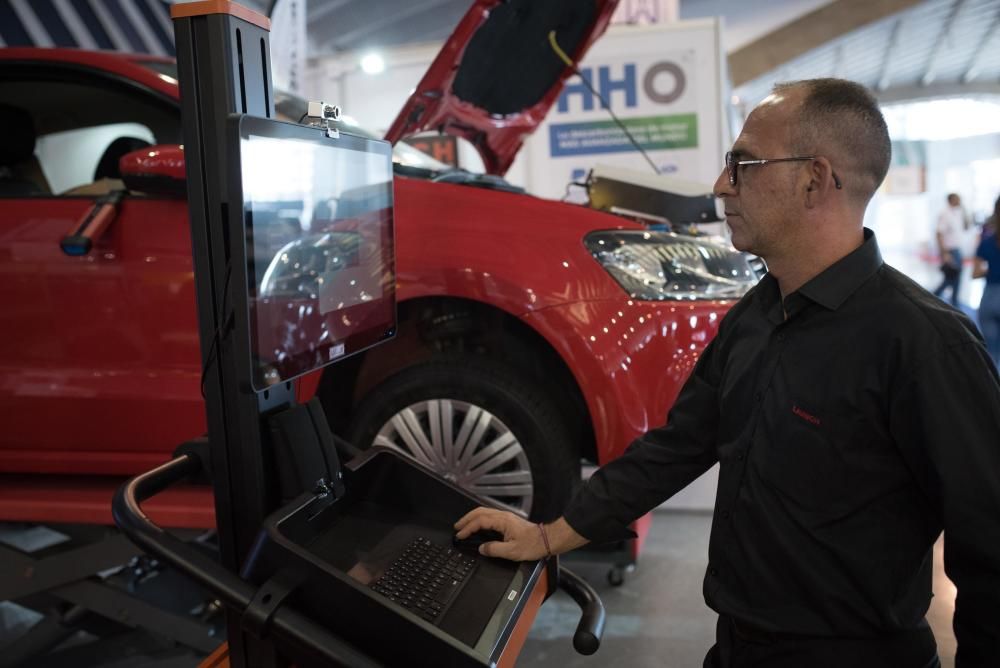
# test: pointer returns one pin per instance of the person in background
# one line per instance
(993, 222)
(951, 224)
(987, 265)
(852, 414)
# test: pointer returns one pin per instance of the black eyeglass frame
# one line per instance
(733, 165)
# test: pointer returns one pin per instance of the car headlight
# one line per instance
(657, 266)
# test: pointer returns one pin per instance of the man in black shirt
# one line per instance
(853, 415)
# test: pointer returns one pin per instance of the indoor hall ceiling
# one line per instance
(937, 48)
(353, 25)
(913, 50)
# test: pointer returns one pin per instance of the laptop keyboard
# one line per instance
(425, 578)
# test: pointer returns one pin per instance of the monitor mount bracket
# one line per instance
(322, 115)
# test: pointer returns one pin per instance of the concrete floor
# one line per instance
(658, 618)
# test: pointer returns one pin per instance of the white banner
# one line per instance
(664, 83)
(645, 12)
(288, 45)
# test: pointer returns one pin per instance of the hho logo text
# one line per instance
(662, 83)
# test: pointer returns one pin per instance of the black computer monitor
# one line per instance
(317, 224)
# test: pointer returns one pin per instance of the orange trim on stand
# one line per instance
(204, 7)
(520, 633)
(217, 659)
(641, 527)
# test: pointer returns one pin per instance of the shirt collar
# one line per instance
(840, 280)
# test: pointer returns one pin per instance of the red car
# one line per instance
(532, 333)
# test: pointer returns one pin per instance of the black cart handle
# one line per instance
(286, 623)
(587, 638)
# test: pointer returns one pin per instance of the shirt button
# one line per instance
(725, 514)
(758, 396)
(739, 456)
(714, 572)
(781, 337)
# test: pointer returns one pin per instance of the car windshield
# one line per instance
(291, 107)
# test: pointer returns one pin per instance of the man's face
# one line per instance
(954, 200)
(762, 206)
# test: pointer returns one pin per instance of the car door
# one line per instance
(101, 368)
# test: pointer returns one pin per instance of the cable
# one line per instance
(302, 117)
(570, 184)
(220, 331)
(586, 82)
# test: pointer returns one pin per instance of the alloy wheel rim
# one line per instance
(466, 444)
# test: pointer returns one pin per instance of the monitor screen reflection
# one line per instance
(319, 242)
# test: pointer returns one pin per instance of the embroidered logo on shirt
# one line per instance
(812, 419)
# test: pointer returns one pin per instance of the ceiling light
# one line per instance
(372, 63)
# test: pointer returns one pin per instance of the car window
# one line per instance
(81, 123)
(70, 158)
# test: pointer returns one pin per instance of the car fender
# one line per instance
(517, 252)
(630, 358)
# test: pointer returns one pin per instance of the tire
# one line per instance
(531, 466)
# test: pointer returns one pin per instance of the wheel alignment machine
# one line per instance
(282, 575)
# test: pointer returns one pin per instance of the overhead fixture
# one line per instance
(372, 63)
(943, 119)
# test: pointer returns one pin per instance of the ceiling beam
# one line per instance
(942, 37)
(319, 11)
(890, 47)
(976, 62)
(808, 32)
(346, 40)
(838, 62)
(916, 93)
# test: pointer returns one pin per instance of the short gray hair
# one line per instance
(843, 118)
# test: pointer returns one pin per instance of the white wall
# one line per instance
(905, 224)
(951, 170)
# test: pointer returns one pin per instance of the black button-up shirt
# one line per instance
(853, 421)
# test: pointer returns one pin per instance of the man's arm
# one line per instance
(943, 225)
(948, 414)
(655, 467)
(945, 253)
(980, 268)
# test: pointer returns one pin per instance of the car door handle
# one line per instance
(91, 227)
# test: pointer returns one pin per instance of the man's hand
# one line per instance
(522, 540)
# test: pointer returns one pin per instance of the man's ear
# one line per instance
(813, 191)
(820, 182)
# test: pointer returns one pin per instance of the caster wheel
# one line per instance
(616, 576)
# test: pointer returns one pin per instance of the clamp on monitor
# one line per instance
(321, 115)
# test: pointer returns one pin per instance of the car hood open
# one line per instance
(497, 75)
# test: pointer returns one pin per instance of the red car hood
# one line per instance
(497, 75)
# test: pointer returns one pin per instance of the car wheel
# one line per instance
(480, 426)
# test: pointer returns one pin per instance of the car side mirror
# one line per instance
(157, 170)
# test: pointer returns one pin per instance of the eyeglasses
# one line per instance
(733, 163)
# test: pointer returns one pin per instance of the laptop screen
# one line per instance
(318, 230)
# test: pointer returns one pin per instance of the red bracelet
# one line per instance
(545, 539)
